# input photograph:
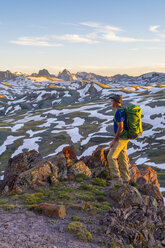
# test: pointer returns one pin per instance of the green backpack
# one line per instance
(134, 123)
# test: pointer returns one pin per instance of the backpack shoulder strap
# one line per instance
(122, 108)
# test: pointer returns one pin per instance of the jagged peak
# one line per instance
(67, 75)
(43, 72)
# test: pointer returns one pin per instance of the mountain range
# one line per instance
(47, 112)
(68, 76)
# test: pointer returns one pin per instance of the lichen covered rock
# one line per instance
(79, 168)
(137, 226)
(150, 175)
(126, 196)
(30, 170)
(52, 210)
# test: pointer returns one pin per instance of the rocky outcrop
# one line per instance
(30, 170)
(152, 190)
(138, 226)
(18, 165)
(147, 182)
(148, 187)
(150, 176)
(126, 195)
(97, 162)
(79, 168)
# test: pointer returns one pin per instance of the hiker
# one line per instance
(117, 156)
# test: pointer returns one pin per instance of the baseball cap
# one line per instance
(117, 98)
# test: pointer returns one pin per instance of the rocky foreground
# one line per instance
(64, 202)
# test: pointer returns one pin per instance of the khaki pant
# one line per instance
(118, 160)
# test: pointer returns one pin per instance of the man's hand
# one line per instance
(118, 133)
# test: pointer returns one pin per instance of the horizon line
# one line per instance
(100, 72)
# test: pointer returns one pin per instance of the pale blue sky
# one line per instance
(101, 36)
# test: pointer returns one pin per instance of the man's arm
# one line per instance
(118, 133)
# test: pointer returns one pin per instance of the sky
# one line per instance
(106, 37)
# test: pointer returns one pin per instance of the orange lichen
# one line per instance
(1, 96)
(100, 156)
(69, 153)
(52, 210)
(67, 157)
(150, 175)
(16, 190)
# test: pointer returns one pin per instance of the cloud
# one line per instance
(51, 41)
(97, 34)
(35, 41)
(90, 24)
(75, 38)
(112, 36)
(154, 28)
(111, 33)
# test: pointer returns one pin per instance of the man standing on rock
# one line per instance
(117, 156)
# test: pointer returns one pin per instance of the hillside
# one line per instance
(74, 204)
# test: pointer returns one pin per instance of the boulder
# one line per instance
(137, 226)
(79, 168)
(37, 176)
(147, 182)
(97, 159)
(146, 175)
(30, 170)
(52, 210)
(126, 195)
(20, 163)
(150, 175)
(97, 162)
(151, 190)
